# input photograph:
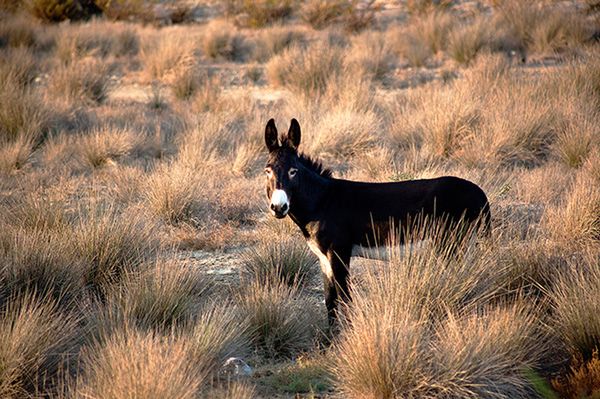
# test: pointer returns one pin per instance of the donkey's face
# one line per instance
(282, 167)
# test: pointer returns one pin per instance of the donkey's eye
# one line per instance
(268, 172)
(292, 172)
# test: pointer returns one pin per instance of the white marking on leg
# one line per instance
(279, 199)
(325, 264)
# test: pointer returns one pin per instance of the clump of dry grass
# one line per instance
(305, 71)
(274, 40)
(109, 244)
(18, 31)
(35, 341)
(222, 41)
(161, 54)
(351, 14)
(279, 318)
(575, 303)
(576, 142)
(372, 55)
(577, 219)
(410, 331)
(220, 332)
(158, 298)
(257, 14)
(19, 66)
(85, 80)
(135, 364)
(287, 260)
(467, 41)
(174, 194)
(104, 146)
(426, 6)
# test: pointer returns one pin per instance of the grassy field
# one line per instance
(136, 253)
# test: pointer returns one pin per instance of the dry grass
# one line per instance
(467, 41)
(289, 261)
(371, 55)
(157, 298)
(36, 343)
(133, 364)
(18, 31)
(105, 146)
(222, 41)
(279, 318)
(583, 379)
(274, 40)
(306, 71)
(576, 310)
(257, 14)
(86, 80)
(162, 54)
(352, 15)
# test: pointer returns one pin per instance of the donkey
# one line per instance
(340, 217)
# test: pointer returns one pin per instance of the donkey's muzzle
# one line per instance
(279, 211)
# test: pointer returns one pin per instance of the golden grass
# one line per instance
(279, 318)
(222, 41)
(85, 80)
(134, 364)
(161, 54)
(36, 343)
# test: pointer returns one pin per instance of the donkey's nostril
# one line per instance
(284, 207)
(272, 207)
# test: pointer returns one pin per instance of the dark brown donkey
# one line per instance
(339, 217)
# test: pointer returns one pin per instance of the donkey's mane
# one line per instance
(315, 165)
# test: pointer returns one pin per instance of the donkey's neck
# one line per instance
(309, 199)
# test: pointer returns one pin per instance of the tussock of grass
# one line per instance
(85, 80)
(257, 14)
(583, 379)
(279, 319)
(18, 31)
(19, 66)
(35, 341)
(289, 261)
(157, 298)
(134, 364)
(272, 41)
(161, 54)
(372, 55)
(576, 311)
(577, 219)
(104, 146)
(222, 41)
(467, 41)
(305, 71)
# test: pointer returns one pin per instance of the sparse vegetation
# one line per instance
(137, 255)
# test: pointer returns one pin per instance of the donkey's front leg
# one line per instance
(336, 283)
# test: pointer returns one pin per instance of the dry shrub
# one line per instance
(410, 45)
(307, 71)
(582, 380)
(57, 10)
(353, 15)
(559, 30)
(247, 159)
(280, 320)
(233, 390)
(134, 364)
(371, 55)
(18, 31)
(427, 6)
(96, 38)
(274, 259)
(274, 40)
(257, 14)
(544, 185)
(86, 80)
(106, 145)
(576, 307)
(433, 29)
(158, 298)
(35, 342)
(577, 219)
(410, 331)
(223, 41)
(467, 41)
(520, 18)
(15, 155)
(161, 54)
(126, 10)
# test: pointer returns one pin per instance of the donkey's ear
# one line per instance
(293, 136)
(271, 136)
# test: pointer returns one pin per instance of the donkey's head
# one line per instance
(282, 167)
